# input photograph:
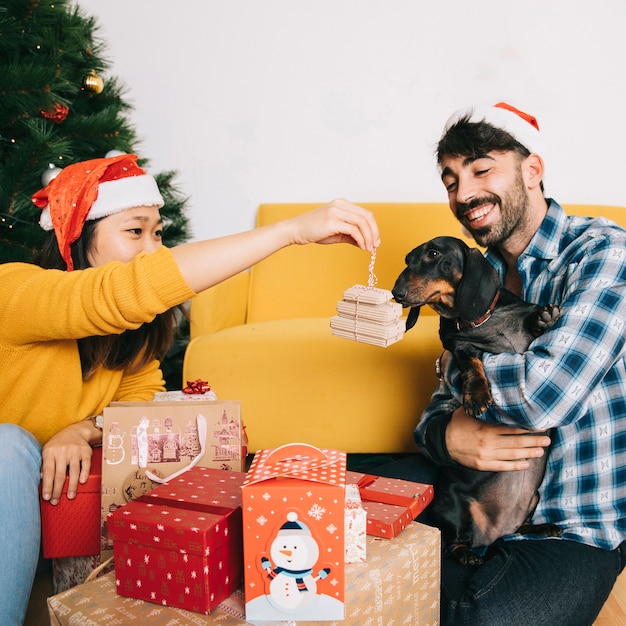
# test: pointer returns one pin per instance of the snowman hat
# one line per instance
(293, 527)
(89, 190)
(523, 127)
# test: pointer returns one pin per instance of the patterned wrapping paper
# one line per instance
(180, 545)
(391, 504)
(293, 503)
(398, 584)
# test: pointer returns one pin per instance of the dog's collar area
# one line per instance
(460, 324)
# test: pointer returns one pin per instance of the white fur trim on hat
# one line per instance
(115, 196)
(522, 131)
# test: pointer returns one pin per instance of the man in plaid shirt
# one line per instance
(573, 380)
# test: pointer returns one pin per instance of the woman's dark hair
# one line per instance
(132, 349)
(476, 139)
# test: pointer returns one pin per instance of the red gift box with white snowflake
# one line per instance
(391, 504)
(180, 544)
(293, 502)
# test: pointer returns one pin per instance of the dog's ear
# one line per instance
(477, 287)
(414, 313)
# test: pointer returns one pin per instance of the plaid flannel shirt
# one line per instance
(572, 379)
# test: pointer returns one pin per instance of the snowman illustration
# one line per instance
(294, 552)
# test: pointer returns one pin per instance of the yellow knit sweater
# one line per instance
(44, 312)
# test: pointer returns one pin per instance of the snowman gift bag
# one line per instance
(293, 501)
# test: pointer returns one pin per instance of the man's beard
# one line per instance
(513, 211)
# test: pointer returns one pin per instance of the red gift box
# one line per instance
(391, 504)
(72, 527)
(293, 526)
(180, 545)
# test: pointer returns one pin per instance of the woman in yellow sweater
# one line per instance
(87, 324)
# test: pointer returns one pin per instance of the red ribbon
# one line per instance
(197, 386)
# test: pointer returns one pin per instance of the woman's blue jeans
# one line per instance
(20, 521)
(525, 583)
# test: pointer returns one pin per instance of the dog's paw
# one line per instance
(464, 555)
(476, 398)
(476, 394)
(542, 530)
(544, 318)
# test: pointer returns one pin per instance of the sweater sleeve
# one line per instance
(47, 305)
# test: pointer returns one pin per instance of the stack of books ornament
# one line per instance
(367, 315)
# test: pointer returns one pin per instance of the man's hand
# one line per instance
(492, 447)
(68, 451)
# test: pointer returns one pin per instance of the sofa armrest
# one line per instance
(222, 306)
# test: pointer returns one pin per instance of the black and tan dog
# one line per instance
(478, 314)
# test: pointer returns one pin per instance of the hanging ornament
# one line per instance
(57, 114)
(92, 83)
(49, 174)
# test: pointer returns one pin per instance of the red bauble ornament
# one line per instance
(58, 114)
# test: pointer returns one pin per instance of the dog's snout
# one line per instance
(400, 290)
(398, 294)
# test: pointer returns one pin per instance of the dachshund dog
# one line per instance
(477, 314)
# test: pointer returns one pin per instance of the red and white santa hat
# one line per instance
(523, 127)
(92, 189)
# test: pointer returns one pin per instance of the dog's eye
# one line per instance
(433, 254)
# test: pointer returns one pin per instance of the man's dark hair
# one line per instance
(475, 139)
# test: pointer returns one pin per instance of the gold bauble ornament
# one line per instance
(93, 83)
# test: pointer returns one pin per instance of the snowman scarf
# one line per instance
(293, 573)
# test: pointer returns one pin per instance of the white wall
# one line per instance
(305, 100)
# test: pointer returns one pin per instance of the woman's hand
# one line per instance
(339, 221)
(69, 451)
(492, 447)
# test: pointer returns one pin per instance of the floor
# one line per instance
(613, 613)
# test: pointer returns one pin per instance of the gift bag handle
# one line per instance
(296, 452)
(142, 446)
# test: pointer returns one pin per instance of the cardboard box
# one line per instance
(180, 545)
(391, 504)
(72, 527)
(147, 442)
(293, 526)
(398, 584)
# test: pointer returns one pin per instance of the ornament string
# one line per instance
(372, 280)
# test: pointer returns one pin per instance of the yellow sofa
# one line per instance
(263, 337)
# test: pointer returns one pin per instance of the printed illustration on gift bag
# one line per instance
(293, 505)
(148, 443)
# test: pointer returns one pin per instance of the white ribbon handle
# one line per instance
(142, 448)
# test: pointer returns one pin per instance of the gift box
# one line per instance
(180, 545)
(398, 584)
(145, 443)
(391, 504)
(293, 502)
(355, 526)
(72, 527)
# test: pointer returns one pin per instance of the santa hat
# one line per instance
(293, 527)
(92, 189)
(523, 127)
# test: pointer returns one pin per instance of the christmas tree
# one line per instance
(58, 106)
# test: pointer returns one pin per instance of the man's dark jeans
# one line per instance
(548, 582)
